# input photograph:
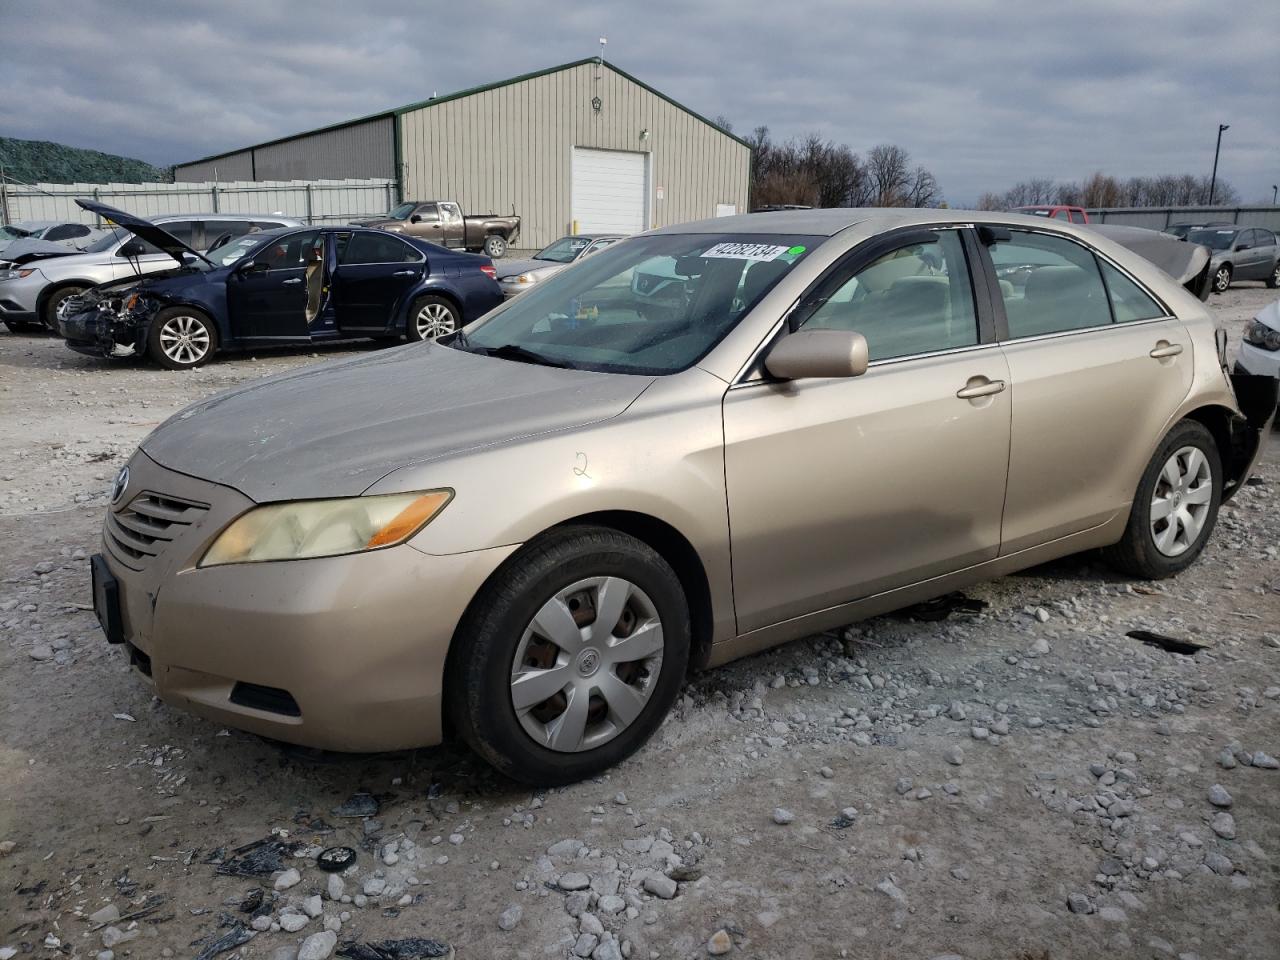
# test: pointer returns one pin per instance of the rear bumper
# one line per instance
(340, 653)
(1257, 397)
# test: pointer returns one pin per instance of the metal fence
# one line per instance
(315, 201)
(1157, 218)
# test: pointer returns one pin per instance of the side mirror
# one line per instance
(1242, 246)
(812, 354)
(134, 248)
(251, 268)
(415, 219)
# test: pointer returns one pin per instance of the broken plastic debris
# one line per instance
(125, 716)
(413, 948)
(258, 859)
(335, 859)
(228, 941)
(942, 607)
(1172, 644)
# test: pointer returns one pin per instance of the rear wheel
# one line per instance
(1175, 507)
(181, 338)
(1273, 280)
(495, 246)
(1222, 278)
(431, 318)
(571, 657)
(55, 302)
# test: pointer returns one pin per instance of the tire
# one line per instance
(1222, 278)
(495, 246)
(504, 640)
(1273, 279)
(49, 313)
(181, 338)
(432, 317)
(1147, 553)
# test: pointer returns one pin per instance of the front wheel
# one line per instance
(1222, 278)
(495, 247)
(1273, 280)
(55, 303)
(570, 657)
(431, 318)
(181, 338)
(1175, 506)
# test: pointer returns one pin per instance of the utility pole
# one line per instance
(4, 199)
(1213, 180)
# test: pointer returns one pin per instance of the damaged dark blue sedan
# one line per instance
(276, 287)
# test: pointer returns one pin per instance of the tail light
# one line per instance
(490, 271)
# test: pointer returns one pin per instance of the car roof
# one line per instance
(828, 222)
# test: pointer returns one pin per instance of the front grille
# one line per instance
(147, 525)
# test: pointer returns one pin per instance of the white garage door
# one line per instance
(610, 190)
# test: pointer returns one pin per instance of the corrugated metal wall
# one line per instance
(233, 166)
(325, 201)
(513, 145)
(1157, 218)
(360, 151)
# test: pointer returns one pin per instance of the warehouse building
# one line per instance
(583, 146)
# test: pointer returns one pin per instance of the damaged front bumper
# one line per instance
(100, 331)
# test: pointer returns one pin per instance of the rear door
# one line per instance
(375, 271)
(270, 302)
(1098, 367)
(839, 489)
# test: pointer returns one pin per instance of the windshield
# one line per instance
(233, 250)
(401, 212)
(1213, 239)
(652, 305)
(564, 250)
(13, 233)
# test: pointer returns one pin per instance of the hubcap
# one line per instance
(1180, 505)
(184, 339)
(587, 664)
(435, 320)
(1224, 278)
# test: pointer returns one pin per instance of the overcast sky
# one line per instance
(982, 92)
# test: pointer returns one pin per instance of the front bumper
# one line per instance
(102, 334)
(1257, 361)
(20, 297)
(511, 289)
(341, 653)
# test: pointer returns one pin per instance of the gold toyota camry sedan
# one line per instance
(701, 442)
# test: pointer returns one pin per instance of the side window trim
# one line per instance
(420, 257)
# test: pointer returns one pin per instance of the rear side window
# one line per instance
(1129, 301)
(182, 230)
(916, 299)
(67, 231)
(1060, 215)
(1265, 238)
(213, 229)
(1077, 216)
(1049, 285)
(378, 248)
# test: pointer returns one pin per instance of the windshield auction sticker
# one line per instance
(745, 251)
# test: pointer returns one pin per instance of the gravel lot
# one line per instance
(1026, 782)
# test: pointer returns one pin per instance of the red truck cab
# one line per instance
(1055, 212)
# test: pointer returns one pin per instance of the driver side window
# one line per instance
(916, 299)
(426, 213)
(291, 252)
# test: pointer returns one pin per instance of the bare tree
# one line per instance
(1101, 190)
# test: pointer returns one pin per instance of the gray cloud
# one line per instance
(983, 93)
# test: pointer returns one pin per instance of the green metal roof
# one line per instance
(433, 101)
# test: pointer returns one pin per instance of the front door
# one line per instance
(1098, 366)
(842, 489)
(375, 272)
(453, 227)
(268, 299)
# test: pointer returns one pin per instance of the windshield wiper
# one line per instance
(511, 351)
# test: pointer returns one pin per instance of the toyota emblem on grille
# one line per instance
(122, 483)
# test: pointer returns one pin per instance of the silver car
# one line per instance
(55, 236)
(1239, 253)
(517, 276)
(32, 292)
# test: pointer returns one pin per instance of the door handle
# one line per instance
(1165, 349)
(289, 283)
(980, 390)
(403, 273)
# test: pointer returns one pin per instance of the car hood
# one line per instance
(144, 230)
(513, 268)
(1269, 316)
(334, 430)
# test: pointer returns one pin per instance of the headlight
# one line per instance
(324, 528)
(1260, 335)
(16, 274)
(525, 278)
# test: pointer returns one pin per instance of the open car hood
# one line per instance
(144, 230)
(1188, 263)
